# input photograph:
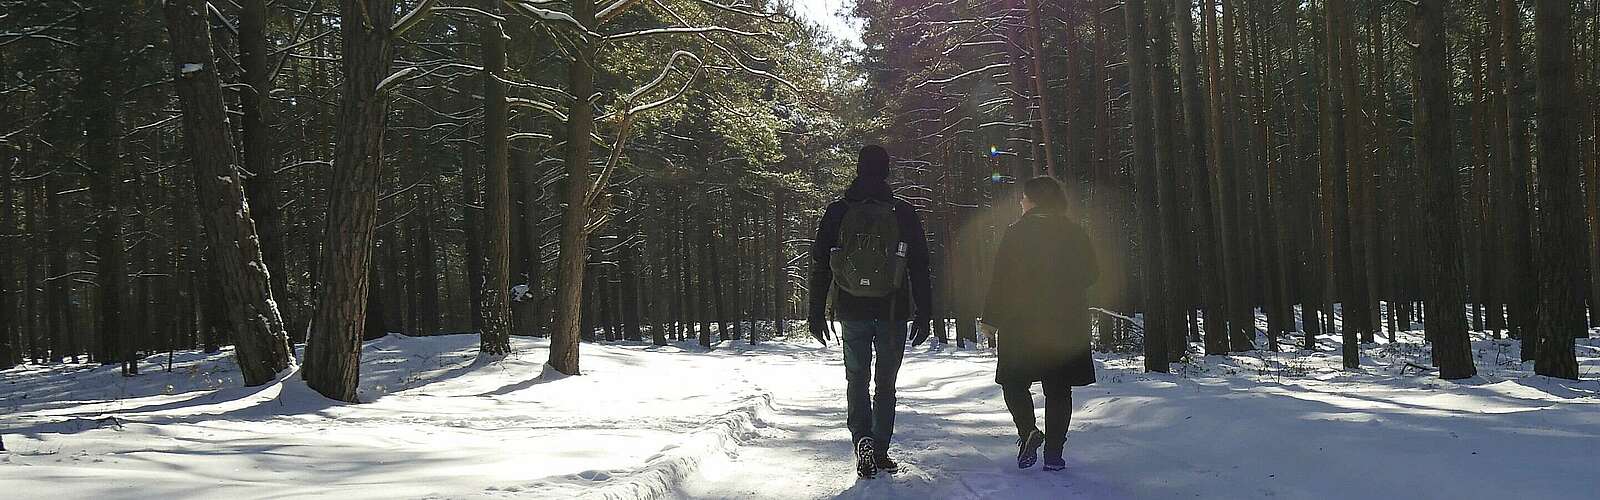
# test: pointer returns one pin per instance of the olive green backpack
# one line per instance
(869, 259)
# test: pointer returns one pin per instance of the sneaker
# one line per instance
(1053, 460)
(1028, 449)
(866, 467)
(886, 464)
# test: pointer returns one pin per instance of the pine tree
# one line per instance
(333, 353)
(261, 345)
(1446, 325)
(1561, 248)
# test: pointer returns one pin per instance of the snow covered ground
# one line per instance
(767, 421)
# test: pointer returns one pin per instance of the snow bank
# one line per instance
(665, 472)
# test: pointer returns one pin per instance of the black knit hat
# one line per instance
(872, 163)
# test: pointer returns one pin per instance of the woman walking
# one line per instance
(1037, 302)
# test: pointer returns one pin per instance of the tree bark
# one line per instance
(333, 354)
(1041, 86)
(1346, 151)
(1218, 313)
(261, 345)
(1195, 159)
(1166, 144)
(98, 95)
(473, 229)
(1452, 349)
(575, 220)
(1225, 141)
(1561, 249)
(12, 343)
(1146, 168)
(259, 153)
(1519, 237)
(495, 337)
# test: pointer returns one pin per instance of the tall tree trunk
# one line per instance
(377, 324)
(1144, 163)
(259, 154)
(333, 354)
(495, 337)
(714, 264)
(575, 220)
(1498, 166)
(630, 295)
(1166, 144)
(1041, 87)
(1361, 221)
(1452, 349)
(12, 344)
(1592, 168)
(98, 95)
(780, 270)
(424, 277)
(1203, 119)
(473, 229)
(1241, 321)
(1561, 249)
(1593, 194)
(1517, 217)
(1377, 224)
(532, 232)
(1344, 111)
(261, 345)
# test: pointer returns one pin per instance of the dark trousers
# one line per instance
(1057, 411)
(872, 416)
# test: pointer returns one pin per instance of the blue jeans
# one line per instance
(872, 416)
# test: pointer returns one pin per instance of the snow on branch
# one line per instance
(529, 136)
(301, 43)
(473, 11)
(527, 8)
(398, 75)
(212, 9)
(546, 107)
(412, 18)
(684, 29)
(406, 74)
(671, 64)
(943, 81)
(534, 86)
(772, 16)
(36, 33)
(611, 11)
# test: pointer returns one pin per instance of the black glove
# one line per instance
(819, 330)
(919, 331)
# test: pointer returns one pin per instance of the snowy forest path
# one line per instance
(1224, 430)
(953, 438)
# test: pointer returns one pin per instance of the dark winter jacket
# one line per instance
(1038, 301)
(847, 307)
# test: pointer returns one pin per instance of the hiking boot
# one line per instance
(886, 464)
(1053, 460)
(866, 466)
(1028, 449)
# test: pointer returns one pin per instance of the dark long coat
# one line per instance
(1038, 301)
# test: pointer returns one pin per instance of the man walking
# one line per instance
(869, 247)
